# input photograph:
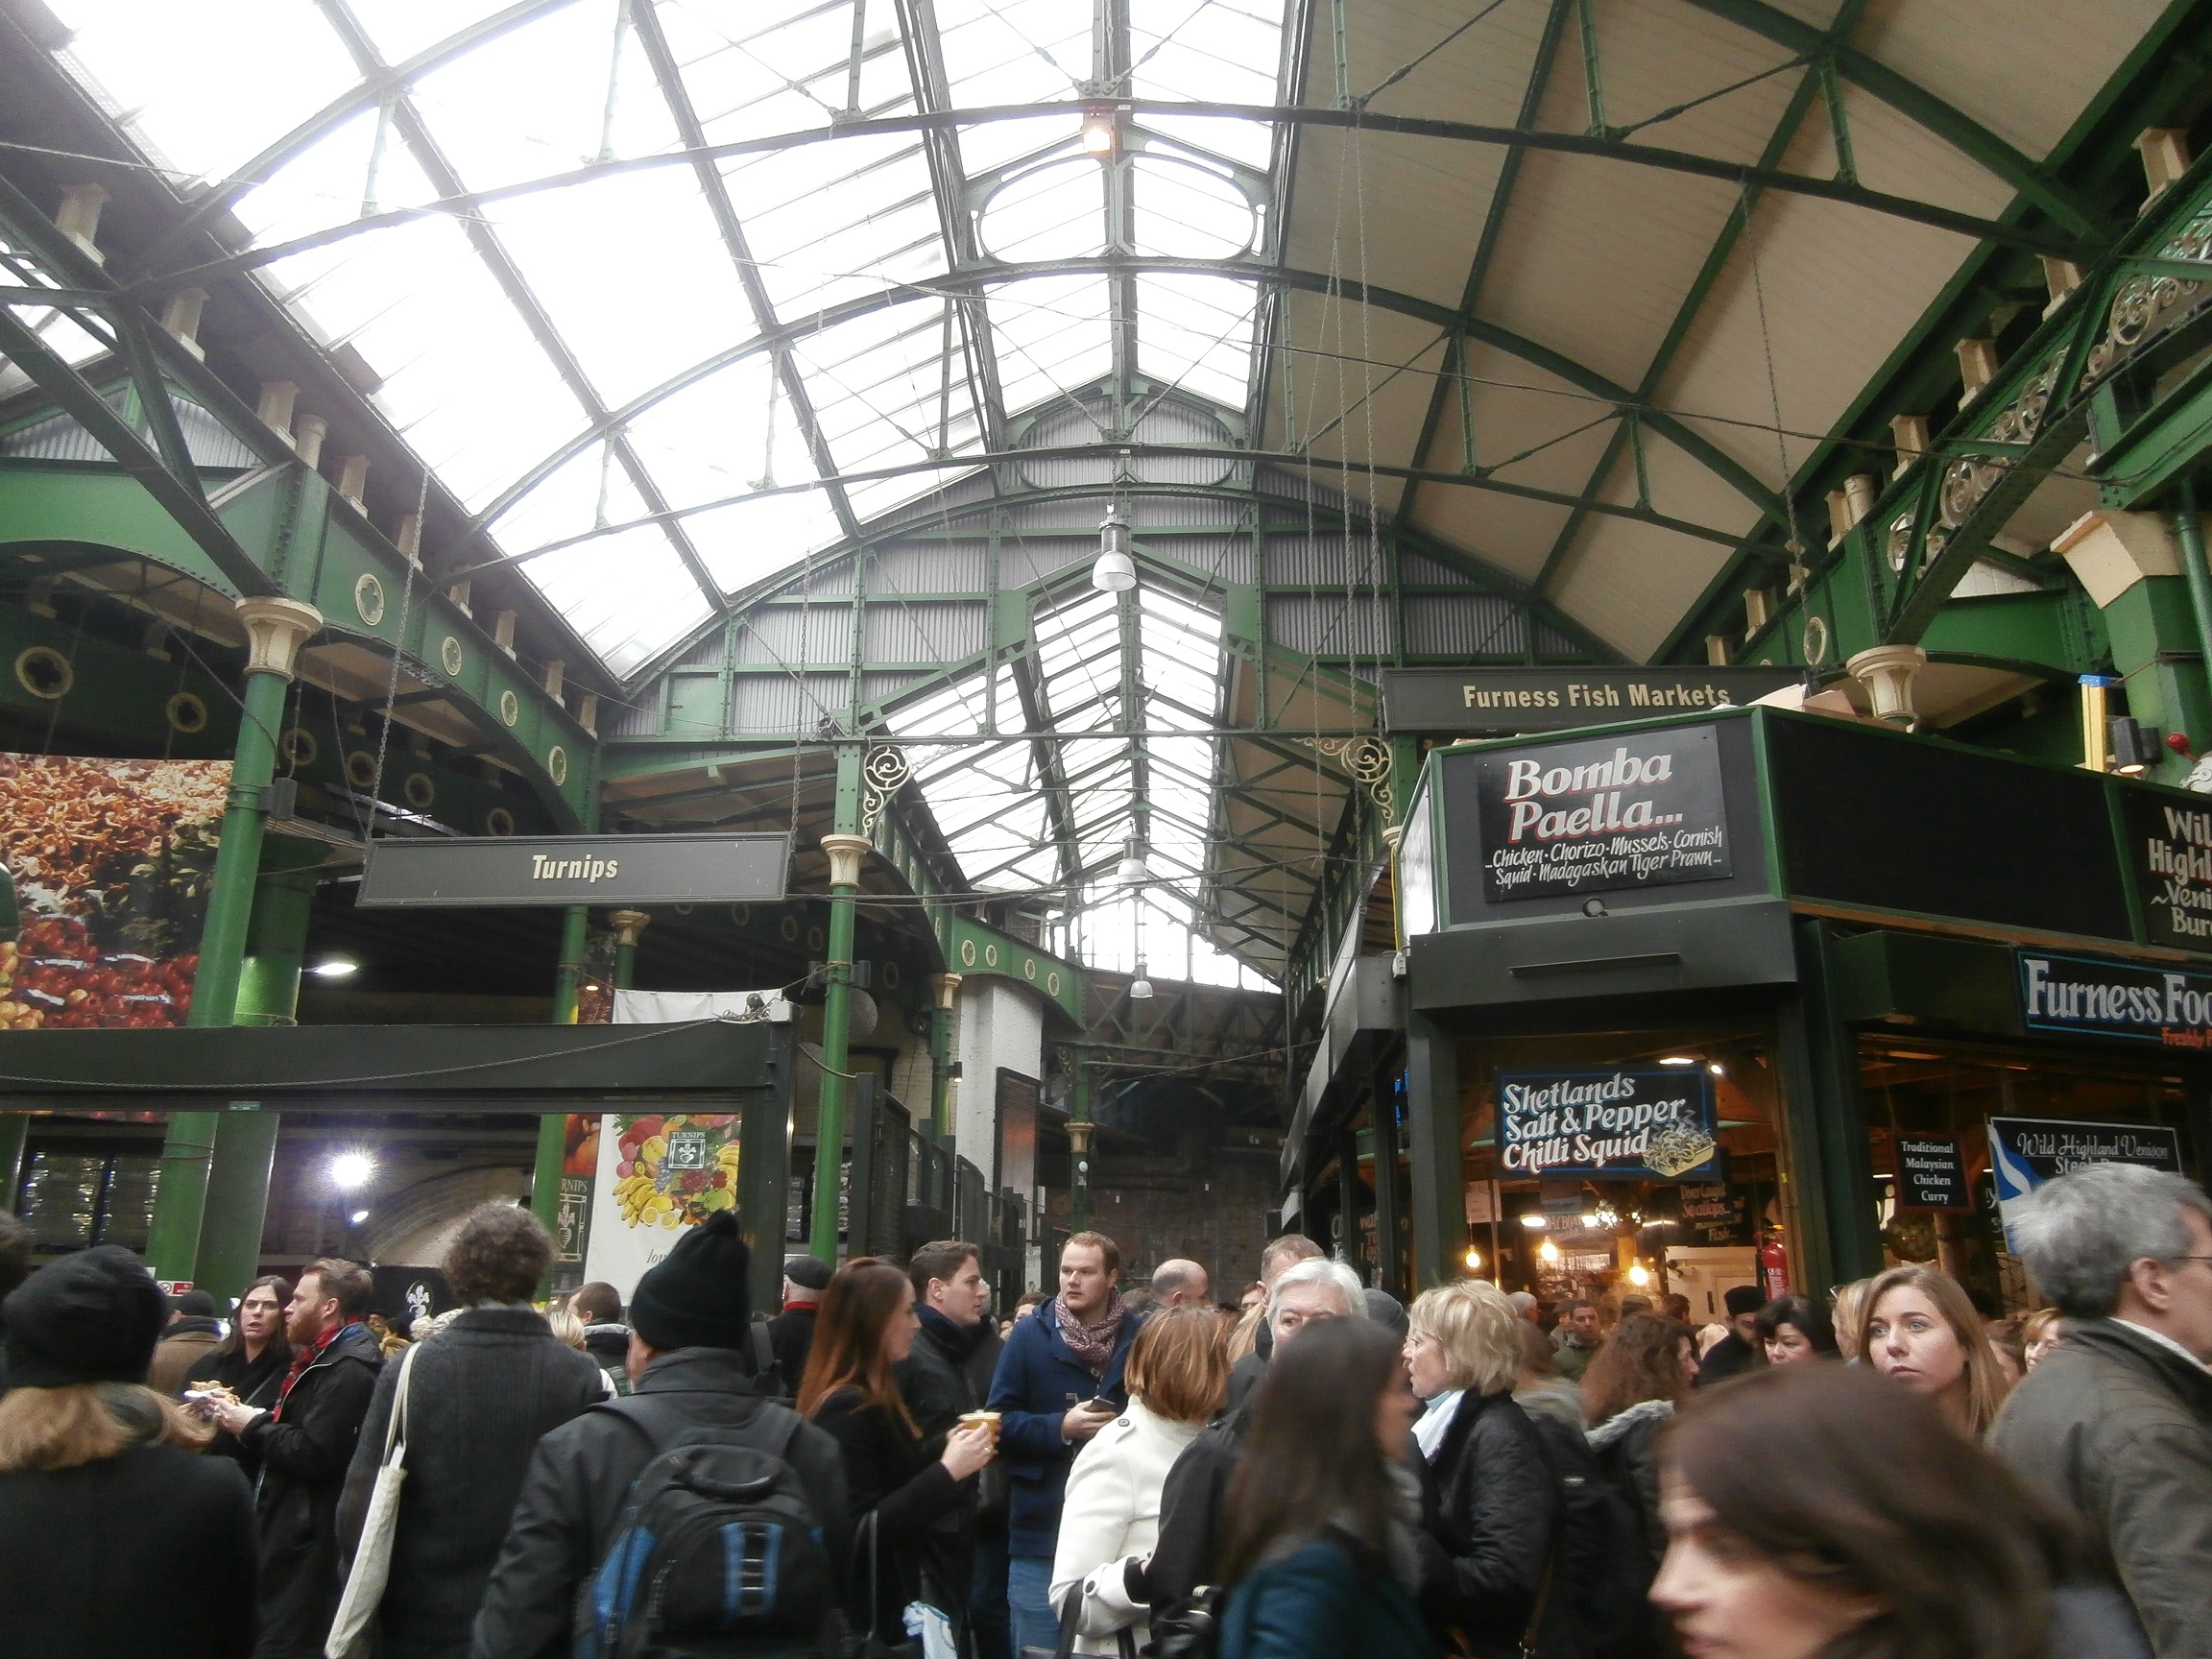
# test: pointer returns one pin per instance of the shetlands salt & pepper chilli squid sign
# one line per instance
(1639, 811)
(1623, 1125)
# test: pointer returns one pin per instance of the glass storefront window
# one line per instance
(1952, 1090)
(72, 1202)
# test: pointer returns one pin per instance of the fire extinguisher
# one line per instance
(1773, 1266)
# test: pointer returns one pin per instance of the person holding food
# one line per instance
(246, 1368)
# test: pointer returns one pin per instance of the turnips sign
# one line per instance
(1592, 817)
(1625, 1126)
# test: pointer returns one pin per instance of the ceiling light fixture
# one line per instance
(1533, 1222)
(337, 968)
(1678, 1060)
(1474, 1260)
(1098, 135)
(1547, 1251)
(1639, 1275)
(1139, 987)
(357, 1217)
(1116, 572)
(1133, 871)
(352, 1170)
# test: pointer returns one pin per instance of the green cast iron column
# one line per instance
(846, 847)
(276, 629)
(553, 1126)
(15, 1129)
(2189, 531)
(947, 986)
(246, 1136)
(1079, 1131)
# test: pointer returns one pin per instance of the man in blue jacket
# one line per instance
(1071, 1352)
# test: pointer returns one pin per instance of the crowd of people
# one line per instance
(881, 1467)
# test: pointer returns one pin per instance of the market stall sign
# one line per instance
(1558, 699)
(2094, 996)
(1715, 1213)
(2170, 849)
(1931, 1174)
(577, 870)
(1654, 1125)
(1642, 811)
(2025, 1152)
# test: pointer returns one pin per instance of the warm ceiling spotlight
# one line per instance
(337, 968)
(1098, 135)
(1547, 1251)
(1639, 1275)
(1678, 1060)
(1533, 1221)
(352, 1170)
(1473, 1259)
(1717, 1069)
(1139, 987)
(1116, 572)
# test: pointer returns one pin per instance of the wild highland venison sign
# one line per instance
(2025, 1152)
(2170, 845)
(1646, 1124)
(2092, 996)
(1640, 810)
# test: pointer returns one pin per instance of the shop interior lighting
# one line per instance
(1590, 1222)
(1678, 1060)
(352, 1170)
(1474, 1260)
(1547, 1251)
(1533, 1222)
(337, 968)
(2134, 747)
(1717, 1069)
(1116, 572)
(1639, 1275)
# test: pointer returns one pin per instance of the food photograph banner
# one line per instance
(1625, 1125)
(659, 1173)
(1640, 810)
(111, 861)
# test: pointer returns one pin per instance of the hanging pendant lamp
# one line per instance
(1139, 987)
(1116, 572)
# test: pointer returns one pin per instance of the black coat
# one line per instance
(150, 1552)
(896, 1476)
(1730, 1356)
(791, 1339)
(1497, 1509)
(304, 1460)
(1191, 1502)
(485, 1390)
(255, 1382)
(948, 1375)
(1246, 1375)
(578, 1479)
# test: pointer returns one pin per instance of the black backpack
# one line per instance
(1601, 1572)
(719, 1553)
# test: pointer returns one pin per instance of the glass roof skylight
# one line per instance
(650, 370)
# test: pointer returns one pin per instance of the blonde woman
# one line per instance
(99, 1497)
(1496, 1498)
(1848, 1314)
(1921, 1329)
(1178, 1375)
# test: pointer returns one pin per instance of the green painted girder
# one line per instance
(1915, 101)
(304, 540)
(1936, 519)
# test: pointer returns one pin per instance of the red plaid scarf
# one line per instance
(301, 1358)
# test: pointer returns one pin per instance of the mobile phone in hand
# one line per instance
(1099, 1403)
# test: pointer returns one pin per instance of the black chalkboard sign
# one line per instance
(1931, 1174)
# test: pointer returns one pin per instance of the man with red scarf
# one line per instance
(1054, 1363)
(305, 1443)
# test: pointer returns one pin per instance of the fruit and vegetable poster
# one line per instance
(110, 862)
(659, 1173)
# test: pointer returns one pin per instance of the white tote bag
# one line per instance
(373, 1558)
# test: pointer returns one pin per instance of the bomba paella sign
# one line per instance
(1639, 811)
(1626, 1124)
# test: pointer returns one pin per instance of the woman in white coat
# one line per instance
(1178, 1375)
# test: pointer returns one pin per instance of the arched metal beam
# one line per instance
(469, 203)
(1518, 345)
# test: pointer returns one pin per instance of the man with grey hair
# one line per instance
(1304, 1294)
(2116, 1424)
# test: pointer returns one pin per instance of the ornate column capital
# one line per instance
(845, 854)
(947, 986)
(627, 925)
(275, 630)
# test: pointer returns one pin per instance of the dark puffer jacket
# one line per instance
(484, 1391)
(1497, 1509)
(2118, 1428)
(304, 1460)
(578, 1479)
(948, 1374)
